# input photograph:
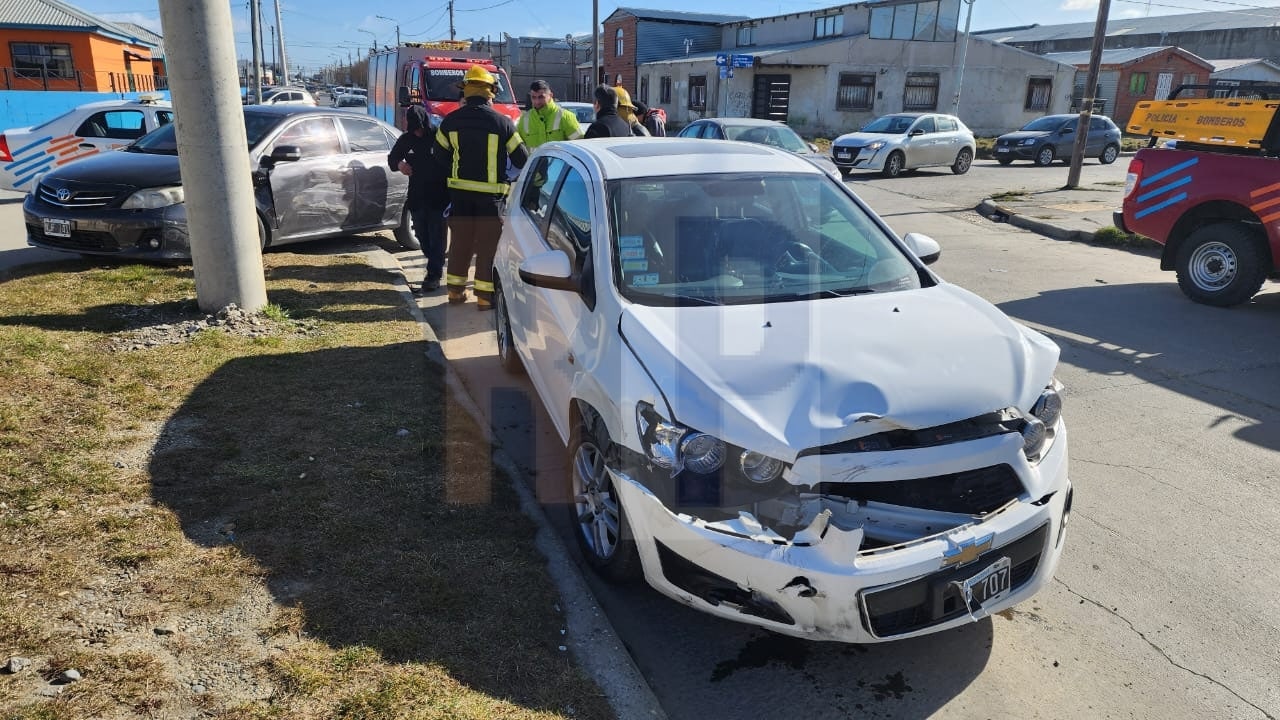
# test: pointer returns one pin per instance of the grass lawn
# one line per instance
(288, 519)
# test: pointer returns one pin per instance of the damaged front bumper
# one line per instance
(858, 571)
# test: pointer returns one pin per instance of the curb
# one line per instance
(991, 210)
(598, 649)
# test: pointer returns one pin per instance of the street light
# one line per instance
(964, 50)
(371, 34)
(397, 22)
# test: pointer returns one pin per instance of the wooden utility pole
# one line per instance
(1090, 89)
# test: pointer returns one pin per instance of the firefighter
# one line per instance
(473, 143)
(627, 111)
(545, 121)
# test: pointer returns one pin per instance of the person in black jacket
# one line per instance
(607, 123)
(427, 196)
(652, 119)
(473, 145)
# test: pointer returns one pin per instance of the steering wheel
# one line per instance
(794, 251)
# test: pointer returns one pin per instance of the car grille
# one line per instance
(78, 198)
(935, 599)
(80, 240)
(972, 492)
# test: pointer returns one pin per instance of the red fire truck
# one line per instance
(430, 74)
(1209, 191)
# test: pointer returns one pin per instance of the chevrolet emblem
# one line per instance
(966, 551)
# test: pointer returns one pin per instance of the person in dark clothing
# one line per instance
(427, 196)
(653, 119)
(607, 123)
(473, 144)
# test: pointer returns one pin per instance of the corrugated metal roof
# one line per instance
(56, 14)
(146, 35)
(1225, 20)
(1232, 63)
(680, 16)
(1118, 56)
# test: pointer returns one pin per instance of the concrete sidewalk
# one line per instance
(1061, 214)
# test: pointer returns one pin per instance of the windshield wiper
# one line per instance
(678, 296)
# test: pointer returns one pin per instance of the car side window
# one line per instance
(946, 124)
(316, 137)
(120, 124)
(692, 131)
(540, 187)
(163, 117)
(926, 125)
(570, 228)
(364, 136)
(1097, 124)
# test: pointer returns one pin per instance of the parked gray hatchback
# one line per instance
(1053, 137)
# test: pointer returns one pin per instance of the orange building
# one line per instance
(50, 45)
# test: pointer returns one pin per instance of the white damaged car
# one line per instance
(773, 409)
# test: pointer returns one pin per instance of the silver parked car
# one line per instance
(906, 141)
(764, 132)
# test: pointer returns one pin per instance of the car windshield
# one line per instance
(1045, 124)
(444, 84)
(779, 136)
(748, 238)
(164, 140)
(889, 125)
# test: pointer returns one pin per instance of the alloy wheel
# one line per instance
(595, 503)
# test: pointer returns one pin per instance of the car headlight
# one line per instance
(1049, 407)
(702, 453)
(1028, 141)
(759, 468)
(155, 198)
(876, 145)
(1034, 435)
(676, 448)
(1038, 431)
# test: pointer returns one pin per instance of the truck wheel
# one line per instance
(1222, 264)
(404, 232)
(595, 511)
(1044, 157)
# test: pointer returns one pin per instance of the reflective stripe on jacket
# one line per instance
(550, 123)
(473, 144)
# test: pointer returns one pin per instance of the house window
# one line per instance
(664, 90)
(617, 43)
(1189, 79)
(1038, 93)
(856, 91)
(35, 60)
(920, 92)
(931, 21)
(828, 26)
(644, 89)
(1138, 83)
(746, 36)
(697, 92)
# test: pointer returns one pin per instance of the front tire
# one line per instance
(1004, 160)
(894, 165)
(964, 160)
(507, 354)
(1109, 154)
(1222, 264)
(600, 525)
(1044, 157)
(404, 232)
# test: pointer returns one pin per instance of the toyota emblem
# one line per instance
(64, 194)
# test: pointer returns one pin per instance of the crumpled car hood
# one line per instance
(863, 139)
(782, 377)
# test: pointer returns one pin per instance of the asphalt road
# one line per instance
(1164, 605)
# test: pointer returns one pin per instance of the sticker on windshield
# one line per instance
(631, 241)
(631, 253)
(646, 279)
(635, 265)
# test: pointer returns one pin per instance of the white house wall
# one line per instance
(995, 83)
(1252, 71)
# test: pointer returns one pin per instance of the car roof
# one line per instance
(123, 103)
(649, 157)
(742, 122)
(286, 110)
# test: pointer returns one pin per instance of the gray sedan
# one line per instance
(892, 144)
(316, 174)
(763, 132)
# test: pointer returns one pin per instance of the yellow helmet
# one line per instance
(624, 97)
(477, 74)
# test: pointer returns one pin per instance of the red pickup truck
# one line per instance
(1211, 196)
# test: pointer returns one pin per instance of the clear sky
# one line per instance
(325, 32)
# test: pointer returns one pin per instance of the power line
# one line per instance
(1273, 17)
(490, 7)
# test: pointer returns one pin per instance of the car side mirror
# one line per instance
(923, 247)
(812, 148)
(402, 95)
(284, 153)
(550, 270)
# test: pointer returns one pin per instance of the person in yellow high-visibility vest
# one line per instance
(545, 121)
(473, 144)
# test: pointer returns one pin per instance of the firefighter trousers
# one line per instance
(475, 224)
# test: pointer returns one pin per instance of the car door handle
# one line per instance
(87, 146)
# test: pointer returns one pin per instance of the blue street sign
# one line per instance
(722, 59)
(744, 61)
(725, 72)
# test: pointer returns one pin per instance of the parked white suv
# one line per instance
(772, 408)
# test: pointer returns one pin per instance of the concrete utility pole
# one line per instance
(595, 47)
(221, 219)
(1090, 89)
(384, 17)
(452, 34)
(255, 34)
(964, 53)
(284, 62)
